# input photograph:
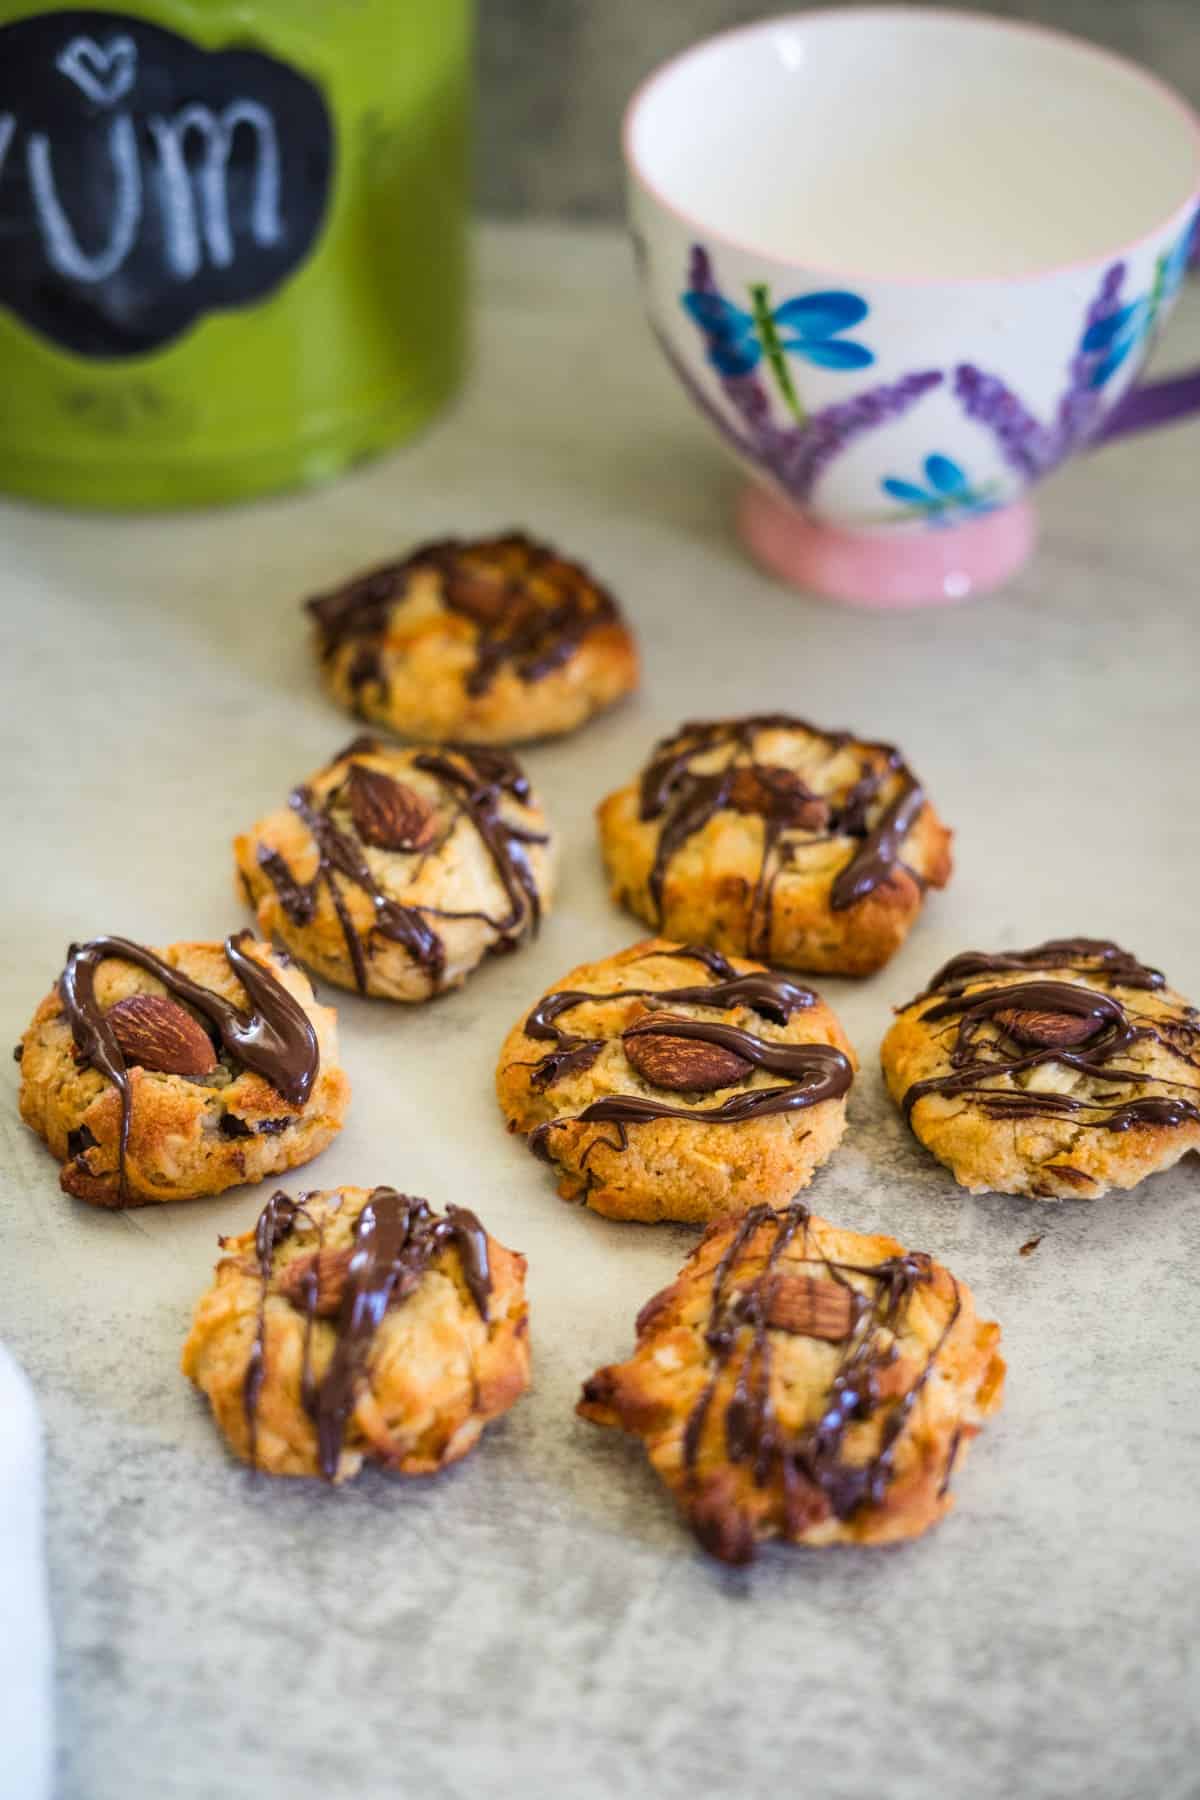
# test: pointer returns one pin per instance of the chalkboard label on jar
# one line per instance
(145, 181)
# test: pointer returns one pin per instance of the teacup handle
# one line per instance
(1152, 403)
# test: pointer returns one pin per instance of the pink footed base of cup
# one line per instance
(929, 568)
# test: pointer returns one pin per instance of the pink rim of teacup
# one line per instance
(1080, 46)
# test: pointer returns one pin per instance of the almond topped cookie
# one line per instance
(171, 1074)
(395, 872)
(1057, 1072)
(669, 1082)
(485, 641)
(768, 837)
(803, 1382)
(355, 1325)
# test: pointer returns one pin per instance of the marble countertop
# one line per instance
(536, 1622)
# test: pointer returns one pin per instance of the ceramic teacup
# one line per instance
(907, 262)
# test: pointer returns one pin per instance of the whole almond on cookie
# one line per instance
(327, 1269)
(154, 1033)
(777, 793)
(1045, 1030)
(680, 1064)
(481, 594)
(386, 813)
(809, 1307)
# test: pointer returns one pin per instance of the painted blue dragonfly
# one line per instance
(1131, 326)
(810, 326)
(948, 497)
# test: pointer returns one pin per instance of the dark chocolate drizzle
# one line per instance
(274, 1226)
(815, 1472)
(474, 780)
(489, 774)
(531, 606)
(685, 801)
(396, 1238)
(1097, 958)
(984, 1047)
(816, 1071)
(276, 1038)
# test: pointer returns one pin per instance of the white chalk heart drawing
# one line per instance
(104, 72)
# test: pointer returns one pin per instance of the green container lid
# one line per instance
(232, 241)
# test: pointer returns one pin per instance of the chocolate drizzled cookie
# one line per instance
(408, 1328)
(661, 1097)
(1066, 1069)
(396, 871)
(766, 835)
(804, 1382)
(167, 1075)
(494, 640)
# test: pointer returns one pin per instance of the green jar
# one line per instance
(232, 241)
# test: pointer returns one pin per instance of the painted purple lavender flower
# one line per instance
(1026, 444)
(796, 455)
(1080, 408)
(744, 445)
(1118, 332)
(1023, 441)
(805, 455)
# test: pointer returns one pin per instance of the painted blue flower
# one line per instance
(948, 498)
(1115, 338)
(809, 326)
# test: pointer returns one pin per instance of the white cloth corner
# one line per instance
(25, 1646)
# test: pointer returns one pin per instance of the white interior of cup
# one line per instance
(914, 144)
